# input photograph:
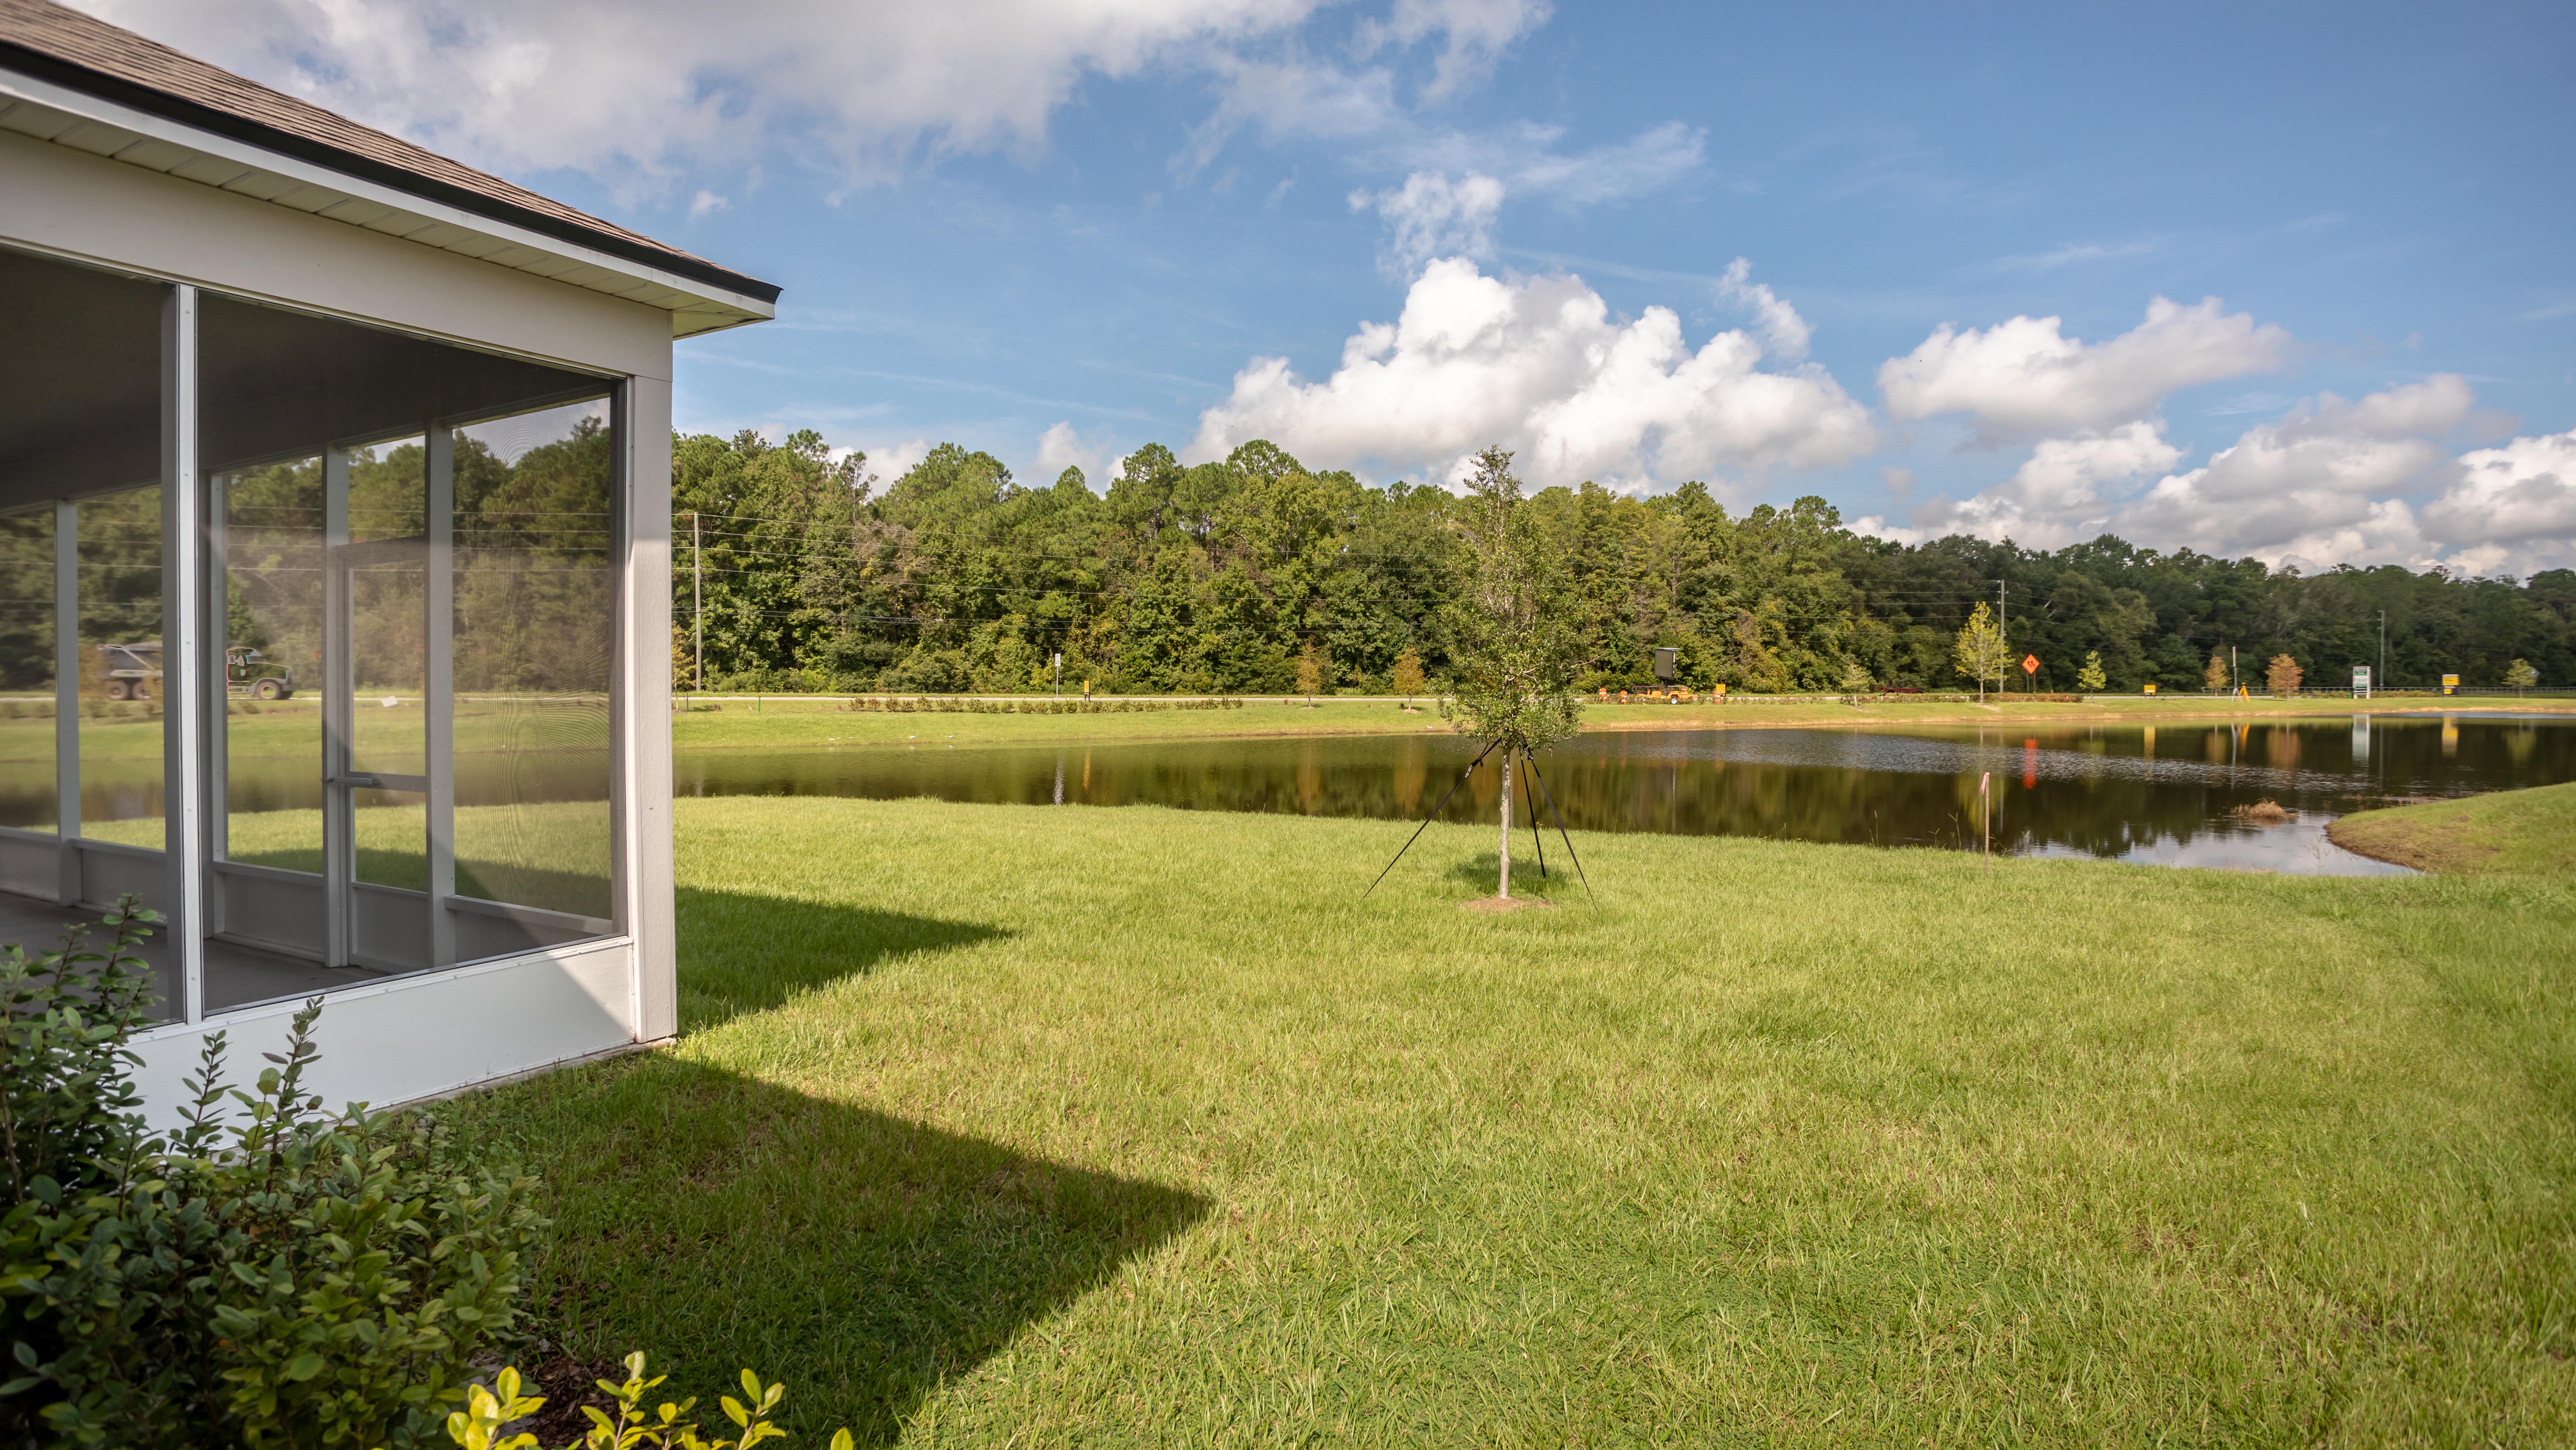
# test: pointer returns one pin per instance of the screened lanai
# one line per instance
(340, 601)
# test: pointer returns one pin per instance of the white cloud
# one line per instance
(2329, 482)
(1474, 34)
(2510, 506)
(1646, 162)
(1782, 327)
(644, 88)
(705, 202)
(1432, 216)
(1539, 366)
(2025, 377)
(2056, 498)
(1062, 446)
(2319, 483)
(894, 460)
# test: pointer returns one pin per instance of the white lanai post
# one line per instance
(640, 699)
(439, 728)
(183, 694)
(339, 854)
(67, 660)
(217, 695)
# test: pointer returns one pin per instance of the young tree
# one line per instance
(1979, 651)
(2521, 676)
(1408, 675)
(1314, 671)
(1516, 648)
(2090, 678)
(2282, 675)
(2214, 679)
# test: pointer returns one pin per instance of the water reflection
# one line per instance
(2162, 794)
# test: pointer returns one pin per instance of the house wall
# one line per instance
(406, 1038)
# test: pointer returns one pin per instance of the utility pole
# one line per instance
(697, 596)
(2382, 681)
(2002, 634)
(1059, 693)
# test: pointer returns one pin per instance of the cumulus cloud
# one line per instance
(1782, 327)
(2025, 377)
(893, 460)
(2320, 483)
(1431, 216)
(1539, 365)
(2334, 481)
(644, 88)
(2059, 496)
(2510, 506)
(1063, 446)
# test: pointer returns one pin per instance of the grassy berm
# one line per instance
(1016, 1126)
(2512, 832)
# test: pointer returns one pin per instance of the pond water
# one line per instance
(2161, 794)
(2175, 795)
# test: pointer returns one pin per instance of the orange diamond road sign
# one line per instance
(2030, 664)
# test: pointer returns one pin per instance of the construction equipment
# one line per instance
(133, 672)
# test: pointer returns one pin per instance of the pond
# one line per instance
(2189, 795)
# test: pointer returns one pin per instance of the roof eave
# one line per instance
(206, 145)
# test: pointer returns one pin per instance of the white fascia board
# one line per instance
(176, 149)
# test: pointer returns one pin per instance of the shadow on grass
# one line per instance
(1483, 871)
(719, 1222)
(741, 953)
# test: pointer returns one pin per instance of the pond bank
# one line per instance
(2510, 832)
(788, 722)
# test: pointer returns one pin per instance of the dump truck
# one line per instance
(133, 672)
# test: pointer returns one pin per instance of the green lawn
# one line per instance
(1012, 1126)
(2513, 831)
(793, 722)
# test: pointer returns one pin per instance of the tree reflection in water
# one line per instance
(2160, 793)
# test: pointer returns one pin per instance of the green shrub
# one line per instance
(479, 1425)
(272, 1276)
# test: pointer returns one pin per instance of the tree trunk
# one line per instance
(1505, 890)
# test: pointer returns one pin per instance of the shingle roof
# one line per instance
(81, 52)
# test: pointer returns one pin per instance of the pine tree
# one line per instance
(2282, 675)
(2090, 678)
(2214, 679)
(1979, 650)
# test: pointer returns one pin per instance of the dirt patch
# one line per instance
(567, 1384)
(2262, 813)
(1505, 903)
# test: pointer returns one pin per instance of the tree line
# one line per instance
(797, 570)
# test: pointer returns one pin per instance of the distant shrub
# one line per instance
(2282, 675)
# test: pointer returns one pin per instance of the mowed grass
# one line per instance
(789, 722)
(1012, 1126)
(2514, 831)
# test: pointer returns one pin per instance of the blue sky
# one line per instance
(1057, 232)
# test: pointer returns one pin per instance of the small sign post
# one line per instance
(2361, 682)
(2029, 669)
(2151, 687)
(2450, 684)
